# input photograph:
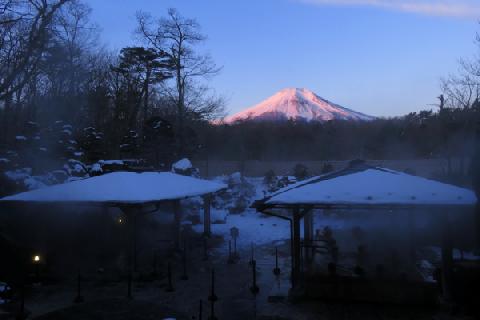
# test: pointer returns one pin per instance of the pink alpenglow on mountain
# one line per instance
(299, 104)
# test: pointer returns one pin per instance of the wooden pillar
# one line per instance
(308, 234)
(477, 224)
(292, 255)
(104, 234)
(177, 224)
(131, 216)
(447, 258)
(207, 223)
(296, 247)
(411, 237)
(135, 239)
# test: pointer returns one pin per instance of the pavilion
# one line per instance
(362, 187)
(128, 191)
(133, 193)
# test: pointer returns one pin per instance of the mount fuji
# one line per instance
(299, 104)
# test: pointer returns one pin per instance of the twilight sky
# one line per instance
(381, 57)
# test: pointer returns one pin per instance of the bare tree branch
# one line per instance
(25, 41)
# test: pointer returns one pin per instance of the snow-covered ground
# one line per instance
(253, 229)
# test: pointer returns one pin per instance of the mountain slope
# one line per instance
(295, 103)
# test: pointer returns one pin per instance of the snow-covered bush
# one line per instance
(182, 165)
(270, 180)
(23, 180)
(76, 168)
(238, 197)
(112, 165)
(92, 144)
(274, 183)
(285, 181)
(59, 142)
(158, 142)
(96, 169)
(185, 167)
(35, 182)
(129, 146)
(59, 176)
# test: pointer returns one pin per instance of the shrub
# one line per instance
(300, 172)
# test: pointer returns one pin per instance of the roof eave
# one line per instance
(261, 206)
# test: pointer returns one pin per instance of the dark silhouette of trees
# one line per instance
(177, 36)
(55, 72)
(144, 67)
(422, 135)
(25, 33)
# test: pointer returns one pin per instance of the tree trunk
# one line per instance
(180, 104)
(146, 94)
(7, 112)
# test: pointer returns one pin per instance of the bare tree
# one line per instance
(77, 37)
(178, 36)
(25, 31)
(201, 103)
(463, 89)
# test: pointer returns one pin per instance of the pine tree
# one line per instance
(158, 143)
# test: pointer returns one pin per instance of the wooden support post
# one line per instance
(254, 288)
(411, 237)
(169, 277)
(477, 224)
(212, 298)
(131, 213)
(79, 297)
(296, 247)
(447, 258)
(308, 235)
(21, 313)
(292, 255)
(207, 228)
(104, 234)
(135, 240)
(276, 270)
(205, 248)
(184, 261)
(177, 237)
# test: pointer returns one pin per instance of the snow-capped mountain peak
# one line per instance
(297, 103)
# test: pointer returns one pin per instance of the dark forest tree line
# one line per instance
(426, 134)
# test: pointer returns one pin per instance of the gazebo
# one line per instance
(362, 187)
(133, 193)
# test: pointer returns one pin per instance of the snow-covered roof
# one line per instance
(122, 188)
(372, 186)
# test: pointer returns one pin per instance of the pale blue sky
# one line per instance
(381, 57)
